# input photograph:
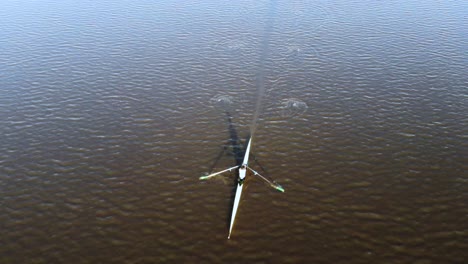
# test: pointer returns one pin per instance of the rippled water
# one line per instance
(111, 111)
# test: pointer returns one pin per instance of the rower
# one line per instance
(242, 173)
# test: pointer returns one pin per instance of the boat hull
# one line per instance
(235, 207)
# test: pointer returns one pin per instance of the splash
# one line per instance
(222, 102)
(230, 46)
(292, 107)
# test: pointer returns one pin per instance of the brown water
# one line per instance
(109, 114)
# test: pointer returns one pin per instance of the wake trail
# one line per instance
(260, 82)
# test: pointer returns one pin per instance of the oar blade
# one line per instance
(278, 187)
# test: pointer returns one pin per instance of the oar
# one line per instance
(217, 173)
(272, 184)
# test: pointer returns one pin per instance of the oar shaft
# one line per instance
(217, 173)
(272, 184)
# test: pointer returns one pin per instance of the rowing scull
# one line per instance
(240, 185)
(240, 182)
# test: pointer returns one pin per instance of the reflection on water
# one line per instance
(111, 111)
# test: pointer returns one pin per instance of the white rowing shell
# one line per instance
(242, 173)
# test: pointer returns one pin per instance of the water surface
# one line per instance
(108, 119)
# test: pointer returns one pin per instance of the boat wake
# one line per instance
(261, 72)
